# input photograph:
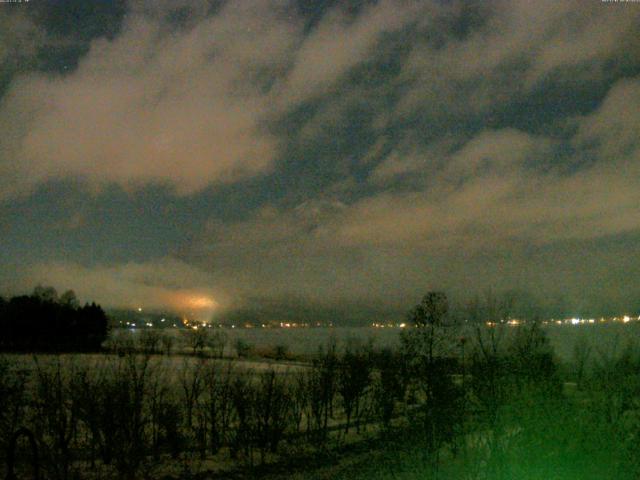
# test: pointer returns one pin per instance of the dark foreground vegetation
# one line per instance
(44, 322)
(492, 405)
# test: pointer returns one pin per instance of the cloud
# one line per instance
(492, 191)
(496, 152)
(499, 194)
(341, 42)
(276, 251)
(190, 106)
(573, 39)
(370, 153)
(151, 105)
(510, 50)
(194, 105)
(611, 132)
(20, 39)
(481, 208)
(507, 185)
(165, 283)
(411, 159)
(391, 248)
(493, 211)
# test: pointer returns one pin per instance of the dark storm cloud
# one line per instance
(339, 152)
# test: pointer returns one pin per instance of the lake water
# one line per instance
(604, 339)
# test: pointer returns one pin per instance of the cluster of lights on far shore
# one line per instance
(514, 322)
(187, 323)
(298, 325)
(573, 321)
(389, 325)
(591, 321)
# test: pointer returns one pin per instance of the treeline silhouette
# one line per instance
(44, 322)
(494, 403)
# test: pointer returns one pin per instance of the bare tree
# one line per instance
(167, 342)
(299, 398)
(241, 438)
(12, 398)
(191, 380)
(429, 349)
(581, 356)
(321, 390)
(149, 340)
(197, 340)
(218, 403)
(56, 417)
(431, 311)
(354, 377)
(389, 386)
(216, 341)
(271, 406)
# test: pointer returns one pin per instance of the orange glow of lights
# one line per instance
(201, 302)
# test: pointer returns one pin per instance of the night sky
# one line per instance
(336, 156)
